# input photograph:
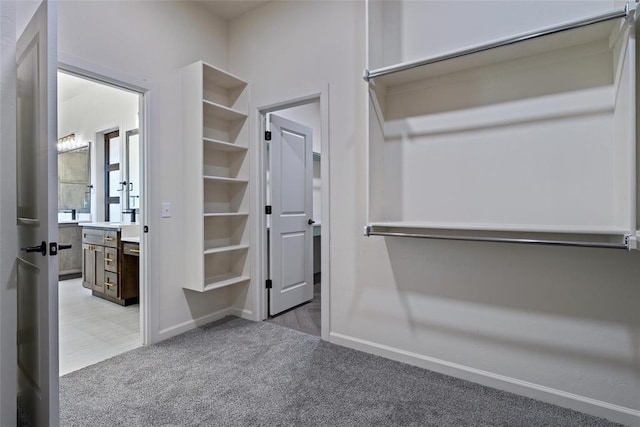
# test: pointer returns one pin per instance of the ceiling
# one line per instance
(70, 86)
(231, 9)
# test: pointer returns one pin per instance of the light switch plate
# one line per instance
(166, 210)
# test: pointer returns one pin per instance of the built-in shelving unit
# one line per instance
(216, 168)
(530, 134)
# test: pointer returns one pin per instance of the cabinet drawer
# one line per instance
(111, 259)
(92, 236)
(110, 238)
(132, 249)
(111, 284)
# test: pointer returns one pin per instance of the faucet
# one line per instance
(132, 212)
(73, 213)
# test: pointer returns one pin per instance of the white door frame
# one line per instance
(259, 198)
(148, 294)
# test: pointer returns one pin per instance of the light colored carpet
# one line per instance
(240, 373)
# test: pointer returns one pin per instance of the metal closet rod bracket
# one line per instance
(630, 241)
(629, 12)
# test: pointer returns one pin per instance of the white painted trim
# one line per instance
(325, 214)
(242, 313)
(149, 296)
(92, 71)
(260, 273)
(258, 237)
(616, 413)
(183, 327)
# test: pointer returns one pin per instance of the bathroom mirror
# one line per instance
(133, 170)
(74, 181)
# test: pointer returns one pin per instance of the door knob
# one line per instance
(311, 222)
(62, 246)
(42, 248)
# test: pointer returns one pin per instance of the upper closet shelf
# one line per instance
(601, 27)
(213, 76)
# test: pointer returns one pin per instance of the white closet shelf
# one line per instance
(520, 46)
(224, 214)
(527, 228)
(223, 249)
(215, 135)
(223, 179)
(217, 282)
(223, 145)
(218, 77)
(550, 107)
(212, 109)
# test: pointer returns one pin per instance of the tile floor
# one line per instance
(304, 318)
(92, 329)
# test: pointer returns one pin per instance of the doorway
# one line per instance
(100, 171)
(287, 303)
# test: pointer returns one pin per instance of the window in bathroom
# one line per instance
(113, 187)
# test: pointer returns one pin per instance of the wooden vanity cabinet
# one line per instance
(70, 260)
(92, 266)
(130, 276)
(102, 266)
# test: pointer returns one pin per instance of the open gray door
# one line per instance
(37, 206)
(291, 235)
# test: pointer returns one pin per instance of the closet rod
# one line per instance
(368, 75)
(624, 245)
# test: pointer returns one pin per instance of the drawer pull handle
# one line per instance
(108, 239)
(135, 251)
(109, 284)
(108, 260)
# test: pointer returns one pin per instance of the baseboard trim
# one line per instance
(598, 408)
(243, 313)
(183, 327)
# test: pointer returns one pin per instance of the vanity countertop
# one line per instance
(131, 239)
(111, 225)
(126, 229)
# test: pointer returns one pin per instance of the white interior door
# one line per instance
(291, 235)
(37, 205)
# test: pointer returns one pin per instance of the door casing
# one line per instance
(149, 298)
(259, 190)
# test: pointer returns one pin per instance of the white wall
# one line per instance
(151, 41)
(95, 111)
(561, 324)
(456, 24)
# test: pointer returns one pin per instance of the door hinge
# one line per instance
(53, 249)
(267, 210)
(269, 284)
(267, 135)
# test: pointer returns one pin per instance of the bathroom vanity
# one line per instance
(108, 267)
(70, 260)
